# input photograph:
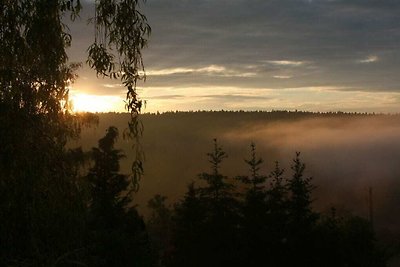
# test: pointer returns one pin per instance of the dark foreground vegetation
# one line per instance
(257, 220)
(85, 218)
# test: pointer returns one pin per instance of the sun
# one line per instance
(96, 103)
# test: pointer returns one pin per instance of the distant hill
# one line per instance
(345, 153)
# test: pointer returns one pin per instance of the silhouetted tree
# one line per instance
(42, 199)
(160, 228)
(216, 186)
(300, 189)
(117, 233)
(190, 233)
(277, 226)
(41, 207)
(347, 241)
(254, 232)
(277, 218)
(301, 218)
(255, 179)
(214, 240)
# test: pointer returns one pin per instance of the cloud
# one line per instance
(257, 44)
(312, 98)
(169, 71)
(214, 70)
(282, 77)
(165, 97)
(289, 63)
(235, 97)
(112, 85)
(369, 59)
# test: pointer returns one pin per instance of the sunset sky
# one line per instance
(314, 55)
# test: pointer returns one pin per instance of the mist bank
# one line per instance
(346, 154)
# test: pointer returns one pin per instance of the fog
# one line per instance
(345, 154)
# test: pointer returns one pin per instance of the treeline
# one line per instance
(272, 112)
(257, 220)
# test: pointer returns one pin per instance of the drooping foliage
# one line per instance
(121, 32)
(42, 198)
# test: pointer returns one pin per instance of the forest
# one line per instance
(246, 220)
(83, 189)
(253, 216)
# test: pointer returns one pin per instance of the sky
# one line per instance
(313, 55)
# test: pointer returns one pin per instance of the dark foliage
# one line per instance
(43, 198)
(117, 234)
(270, 224)
(207, 219)
(160, 228)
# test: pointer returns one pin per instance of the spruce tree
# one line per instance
(301, 218)
(160, 227)
(277, 219)
(277, 193)
(255, 180)
(254, 212)
(117, 234)
(217, 187)
(191, 237)
(212, 212)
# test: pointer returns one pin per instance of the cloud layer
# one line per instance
(277, 44)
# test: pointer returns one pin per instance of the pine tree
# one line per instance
(300, 189)
(347, 241)
(217, 187)
(254, 179)
(106, 182)
(301, 218)
(211, 212)
(277, 193)
(117, 233)
(277, 219)
(191, 237)
(254, 213)
(160, 227)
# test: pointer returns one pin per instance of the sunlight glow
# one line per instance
(96, 103)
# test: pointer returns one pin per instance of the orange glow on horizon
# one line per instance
(96, 103)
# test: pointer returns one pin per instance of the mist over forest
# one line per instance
(346, 154)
